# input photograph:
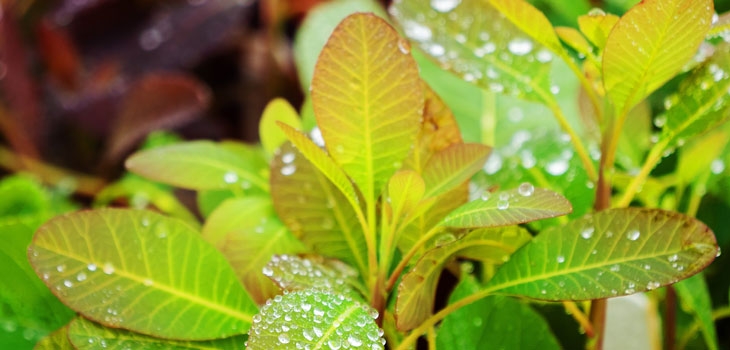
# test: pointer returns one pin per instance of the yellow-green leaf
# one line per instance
(85, 334)
(531, 21)
(417, 290)
(368, 100)
(57, 340)
(610, 253)
(574, 39)
(314, 210)
(453, 166)
(523, 204)
(597, 26)
(405, 190)
(292, 273)
(141, 271)
(649, 45)
(229, 216)
(278, 110)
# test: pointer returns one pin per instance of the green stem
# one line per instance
(411, 253)
(654, 157)
(587, 87)
(723, 312)
(577, 143)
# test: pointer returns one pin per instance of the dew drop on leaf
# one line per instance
(287, 158)
(288, 169)
(284, 338)
(444, 5)
(81, 277)
(673, 258)
(526, 189)
(520, 46)
(557, 167)
(633, 234)
(108, 268)
(502, 204)
(230, 177)
(91, 267)
(404, 46)
(560, 259)
(587, 232)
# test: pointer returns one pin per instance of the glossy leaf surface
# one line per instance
(649, 45)
(610, 253)
(597, 26)
(278, 110)
(314, 209)
(85, 334)
(368, 99)
(405, 191)
(477, 42)
(91, 260)
(523, 204)
(292, 273)
(417, 290)
(453, 166)
(702, 101)
(495, 322)
(197, 165)
(317, 320)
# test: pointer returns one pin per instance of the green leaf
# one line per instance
(695, 299)
(141, 271)
(597, 26)
(609, 253)
(649, 45)
(478, 43)
(249, 249)
(405, 191)
(58, 340)
(292, 273)
(368, 100)
(235, 214)
(314, 209)
(453, 166)
(317, 27)
(85, 334)
(531, 21)
(316, 320)
(702, 101)
(523, 204)
(417, 290)
(495, 322)
(198, 165)
(635, 137)
(697, 158)
(278, 110)
(574, 39)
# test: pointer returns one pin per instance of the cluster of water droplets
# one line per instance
(311, 319)
(460, 37)
(292, 272)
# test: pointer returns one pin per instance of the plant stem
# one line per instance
(579, 317)
(670, 318)
(83, 184)
(598, 320)
(408, 256)
(655, 155)
(577, 143)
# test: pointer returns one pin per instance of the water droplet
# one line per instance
(288, 169)
(91, 267)
(334, 344)
(60, 268)
(673, 258)
(526, 189)
(354, 341)
(717, 166)
(81, 277)
(485, 195)
(520, 46)
(493, 164)
(436, 50)
(108, 268)
(287, 158)
(148, 282)
(230, 177)
(596, 11)
(404, 46)
(316, 136)
(633, 234)
(587, 232)
(284, 338)
(502, 204)
(560, 259)
(68, 283)
(615, 268)
(256, 318)
(557, 167)
(543, 292)
(417, 31)
(647, 267)
(544, 56)
(555, 89)
(719, 252)
(653, 285)
(444, 5)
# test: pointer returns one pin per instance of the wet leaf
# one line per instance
(317, 319)
(597, 26)
(523, 204)
(694, 297)
(236, 214)
(478, 43)
(649, 45)
(497, 322)
(531, 21)
(317, 27)
(609, 253)
(453, 166)
(405, 191)
(702, 101)
(278, 110)
(91, 260)
(417, 290)
(574, 39)
(292, 273)
(697, 158)
(249, 249)
(314, 209)
(368, 100)
(85, 334)
(198, 165)
(58, 340)
(156, 101)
